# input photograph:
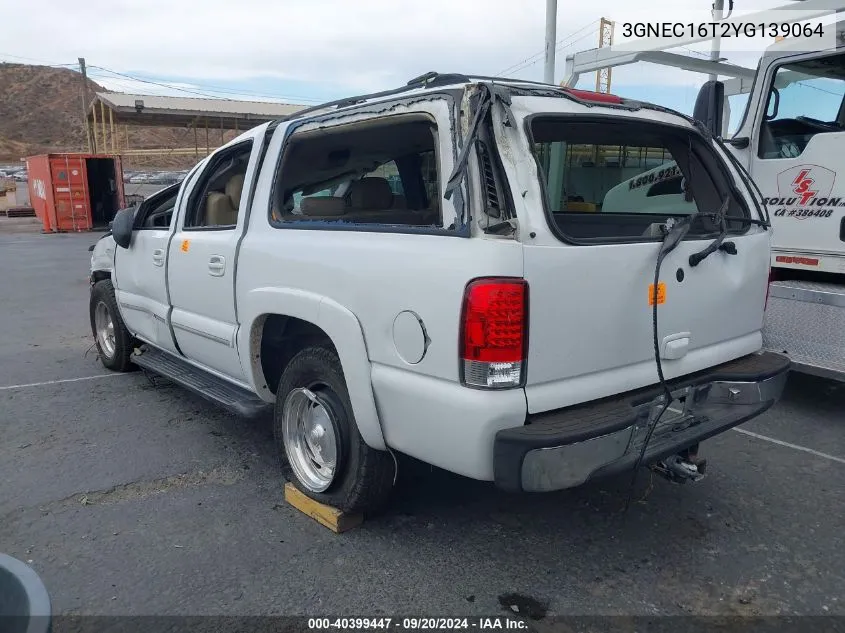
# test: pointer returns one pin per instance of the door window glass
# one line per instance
(378, 172)
(215, 201)
(804, 100)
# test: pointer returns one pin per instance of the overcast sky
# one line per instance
(306, 50)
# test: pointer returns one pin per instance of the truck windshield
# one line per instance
(615, 179)
(805, 100)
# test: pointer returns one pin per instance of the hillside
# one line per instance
(41, 111)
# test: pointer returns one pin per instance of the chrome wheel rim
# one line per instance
(310, 439)
(104, 326)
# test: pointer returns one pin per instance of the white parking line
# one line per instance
(58, 382)
(803, 449)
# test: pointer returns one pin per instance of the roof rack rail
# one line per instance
(348, 101)
(430, 79)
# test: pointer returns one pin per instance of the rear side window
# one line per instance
(618, 180)
(376, 172)
(216, 198)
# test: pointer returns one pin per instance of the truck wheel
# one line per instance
(321, 451)
(114, 342)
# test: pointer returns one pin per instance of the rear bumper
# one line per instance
(565, 448)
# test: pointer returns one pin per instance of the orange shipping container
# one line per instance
(75, 192)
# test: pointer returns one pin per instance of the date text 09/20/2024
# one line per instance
(415, 624)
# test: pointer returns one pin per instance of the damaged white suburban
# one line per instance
(459, 270)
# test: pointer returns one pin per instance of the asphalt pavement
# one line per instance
(130, 497)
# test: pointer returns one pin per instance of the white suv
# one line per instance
(429, 270)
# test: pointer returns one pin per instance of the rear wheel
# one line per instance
(321, 451)
(114, 342)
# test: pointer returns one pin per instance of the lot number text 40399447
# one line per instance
(415, 624)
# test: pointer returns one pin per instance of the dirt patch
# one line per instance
(223, 475)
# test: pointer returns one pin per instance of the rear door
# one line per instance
(139, 271)
(591, 272)
(796, 155)
(201, 258)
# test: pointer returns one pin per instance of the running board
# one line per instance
(221, 392)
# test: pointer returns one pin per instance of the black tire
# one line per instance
(120, 360)
(364, 477)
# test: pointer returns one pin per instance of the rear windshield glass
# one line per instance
(609, 180)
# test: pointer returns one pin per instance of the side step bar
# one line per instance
(221, 392)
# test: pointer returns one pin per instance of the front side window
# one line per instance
(805, 99)
(156, 212)
(612, 180)
(376, 172)
(159, 212)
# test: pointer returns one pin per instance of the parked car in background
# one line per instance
(162, 178)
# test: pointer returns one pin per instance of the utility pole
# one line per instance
(84, 74)
(551, 41)
(553, 161)
(715, 48)
(606, 28)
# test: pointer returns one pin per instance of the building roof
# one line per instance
(187, 111)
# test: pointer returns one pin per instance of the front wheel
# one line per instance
(321, 451)
(114, 342)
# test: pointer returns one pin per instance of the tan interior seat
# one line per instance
(323, 206)
(371, 201)
(221, 209)
(234, 188)
(370, 194)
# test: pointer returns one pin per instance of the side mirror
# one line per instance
(708, 106)
(121, 227)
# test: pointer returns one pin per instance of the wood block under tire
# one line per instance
(336, 520)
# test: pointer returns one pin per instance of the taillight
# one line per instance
(494, 332)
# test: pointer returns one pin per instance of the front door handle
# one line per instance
(158, 257)
(216, 266)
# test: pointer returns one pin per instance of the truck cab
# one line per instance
(787, 135)
(790, 138)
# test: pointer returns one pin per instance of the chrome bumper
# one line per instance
(558, 450)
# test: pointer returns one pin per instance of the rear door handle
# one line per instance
(158, 257)
(216, 266)
(675, 346)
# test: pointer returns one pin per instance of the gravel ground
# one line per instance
(135, 499)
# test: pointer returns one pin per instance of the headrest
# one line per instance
(324, 205)
(234, 187)
(370, 193)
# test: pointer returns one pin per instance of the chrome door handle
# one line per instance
(216, 266)
(158, 257)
